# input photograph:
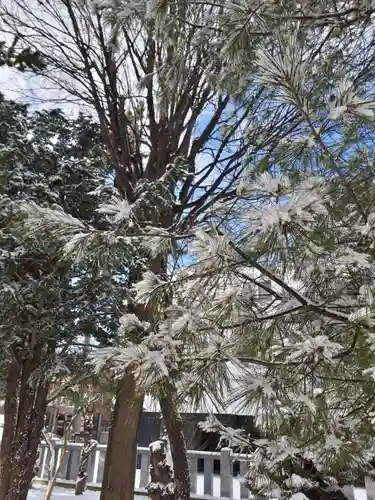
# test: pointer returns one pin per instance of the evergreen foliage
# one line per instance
(23, 59)
(47, 304)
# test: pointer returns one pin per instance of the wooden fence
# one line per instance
(213, 474)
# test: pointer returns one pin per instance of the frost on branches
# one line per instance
(303, 341)
(47, 159)
(274, 310)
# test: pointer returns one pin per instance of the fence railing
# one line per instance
(212, 474)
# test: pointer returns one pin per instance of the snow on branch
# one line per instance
(118, 209)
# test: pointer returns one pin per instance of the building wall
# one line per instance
(151, 427)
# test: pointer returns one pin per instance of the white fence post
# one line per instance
(370, 488)
(64, 455)
(56, 450)
(44, 453)
(96, 467)
(58, 453)
(145, 463)
(208, 478)
(348, 491)
(226, 477)
(193, 473)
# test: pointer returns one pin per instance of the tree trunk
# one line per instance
(161, 486)
(25, 452)
(25, 407)
(120, 463)
(321, 493)
(36, 468)
(10, 422)
(35, 434)
(173, 426)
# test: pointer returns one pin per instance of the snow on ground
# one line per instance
(38, 492)
(360, 494)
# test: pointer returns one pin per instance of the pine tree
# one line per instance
(283, 297)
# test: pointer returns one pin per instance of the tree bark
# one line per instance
(173, 425)
(25, 453)
(161, 486)
(320, 493)
(25, 407)
(120, 463)
(10, 422)
(35, 434)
